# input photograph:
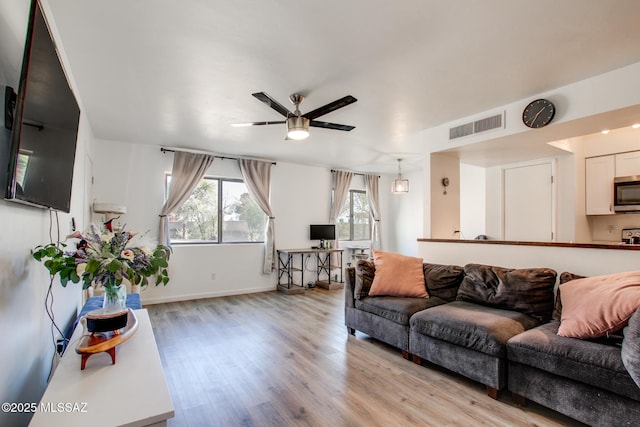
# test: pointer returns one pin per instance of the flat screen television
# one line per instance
(45, 124)
(322, 232)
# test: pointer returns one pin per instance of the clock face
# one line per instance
(538, 113)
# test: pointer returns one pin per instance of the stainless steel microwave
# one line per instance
(626, 194)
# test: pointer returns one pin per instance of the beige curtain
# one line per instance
(371, 185)
(257, 177)
(341, 184)
(188, 170)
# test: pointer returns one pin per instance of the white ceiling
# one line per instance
(179, 73)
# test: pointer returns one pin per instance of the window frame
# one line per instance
(219, 213)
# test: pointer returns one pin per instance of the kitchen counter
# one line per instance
(585, 259)
(612, 245)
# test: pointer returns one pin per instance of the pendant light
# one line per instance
(400, 185)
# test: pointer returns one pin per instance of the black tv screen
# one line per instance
(45, 125)
(322, 232)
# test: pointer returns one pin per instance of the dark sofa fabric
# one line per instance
(386, 318)
(364, 273)
(473, 326)
(443, 281)
(590, 405)
(592, 363)
(589, 380)
(488, 324)
(631, 347)
(528, 291)
(396, 309)
(468, 338)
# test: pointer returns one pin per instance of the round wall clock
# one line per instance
(538, 113)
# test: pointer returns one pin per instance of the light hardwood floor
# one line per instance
(271, 359)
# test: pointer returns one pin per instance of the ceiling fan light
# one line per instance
(297, 128)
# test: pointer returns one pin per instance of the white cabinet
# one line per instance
(599, 174)
(628, 164)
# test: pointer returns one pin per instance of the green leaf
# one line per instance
(114, 266)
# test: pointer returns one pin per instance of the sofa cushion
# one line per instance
(474, 326)
(565, 277)
(596, 306)
(397, 275)
(365, 271)
(590, 362)
(396, 309)
(631, 347)
(443, 280)
(527, 290)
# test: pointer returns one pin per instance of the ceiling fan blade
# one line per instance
(240, 125)
(273, 103)
(328, 125)
(332, 106)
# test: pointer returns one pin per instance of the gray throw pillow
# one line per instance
(443, 281)
(526, 290)
(365, 271)
(631, 347)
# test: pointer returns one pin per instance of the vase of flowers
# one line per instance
(106, 258)
(115, 298)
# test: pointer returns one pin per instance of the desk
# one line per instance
(286, 269)
(133, 392)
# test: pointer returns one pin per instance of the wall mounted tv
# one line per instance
(45, 125)
(322, 232)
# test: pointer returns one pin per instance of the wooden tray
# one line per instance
(92, 343)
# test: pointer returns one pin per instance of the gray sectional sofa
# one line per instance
(498, 326)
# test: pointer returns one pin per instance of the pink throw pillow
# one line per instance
(596, 306)
(398, 275)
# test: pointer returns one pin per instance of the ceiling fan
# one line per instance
(297, 123)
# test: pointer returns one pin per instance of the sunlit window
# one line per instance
(218, 211)
(354, 221)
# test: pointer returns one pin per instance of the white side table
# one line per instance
(133, 392)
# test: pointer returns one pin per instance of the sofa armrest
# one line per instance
(631, 347)
(349, 287)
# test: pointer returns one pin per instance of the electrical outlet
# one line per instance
(61, 345)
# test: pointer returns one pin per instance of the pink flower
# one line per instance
(127, 254)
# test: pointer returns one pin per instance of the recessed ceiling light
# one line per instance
(606, 131)
(636, 125)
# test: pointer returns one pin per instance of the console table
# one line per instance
(133, 392)
(287, 269)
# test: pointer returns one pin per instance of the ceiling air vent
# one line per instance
(460, 131)
(489, 123)
(482, 125)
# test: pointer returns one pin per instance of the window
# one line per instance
(354, 221)
(218, 211)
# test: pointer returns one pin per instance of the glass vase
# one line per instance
(115, 298)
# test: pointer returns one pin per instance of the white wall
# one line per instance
(576, 103)
(28, 349)
(26, 359)
(582, 261)
(445, 206)
(133, 175)
(406, 211)
(473, 196)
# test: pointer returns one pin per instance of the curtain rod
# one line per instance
(355, 173)
(190, 150)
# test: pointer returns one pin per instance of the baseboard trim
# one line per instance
(187, 297)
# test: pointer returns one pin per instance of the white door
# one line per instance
(528, 203)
